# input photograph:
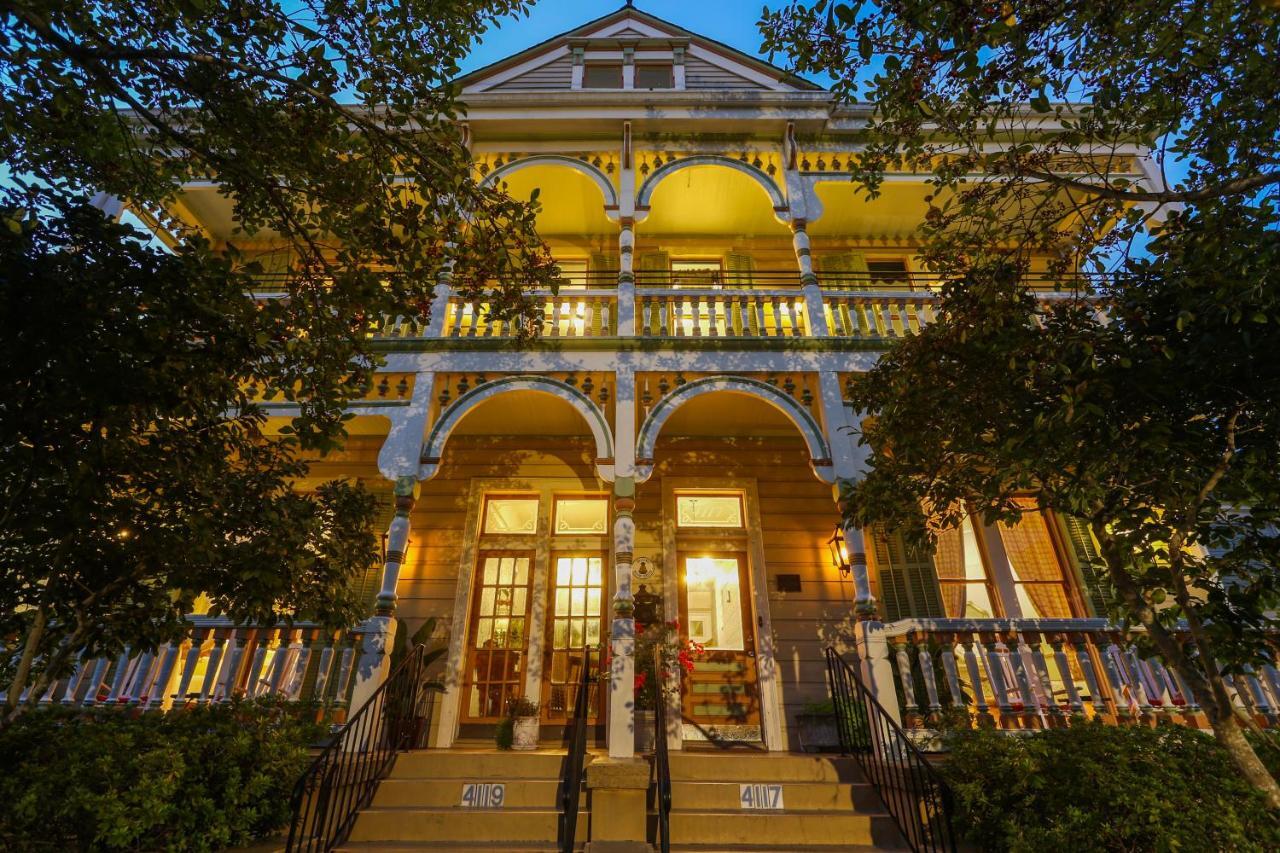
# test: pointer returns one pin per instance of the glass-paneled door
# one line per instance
(496, 649)
(576, 620)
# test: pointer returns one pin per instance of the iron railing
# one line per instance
(343, 778)
(575, 760)
(912, 790)
(661, 760)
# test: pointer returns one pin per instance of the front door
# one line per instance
(721, 697)
(496, 667)
(573, 633)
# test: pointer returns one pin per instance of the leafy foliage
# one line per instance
(1124, 788)
(1026, 115)
(136, 472)
(201, 779)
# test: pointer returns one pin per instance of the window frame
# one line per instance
(492, 496)
(588, 67)
(742, 510)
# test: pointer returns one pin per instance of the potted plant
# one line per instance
(660, 653)
(525, 723)
(817, 725)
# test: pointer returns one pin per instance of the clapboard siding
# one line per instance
(700, 74)
(557, 74)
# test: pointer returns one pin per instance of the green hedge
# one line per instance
(1096, 787)
(198, 779)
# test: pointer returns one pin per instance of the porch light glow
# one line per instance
(839, 553)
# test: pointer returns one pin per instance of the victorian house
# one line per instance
(670, 449)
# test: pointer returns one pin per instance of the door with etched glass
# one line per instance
(721, 696)
(499, 634)
(576, 621)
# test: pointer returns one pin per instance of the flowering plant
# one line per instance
(661, 652)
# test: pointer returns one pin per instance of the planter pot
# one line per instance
(645, 735)
(525, 733)
(818, 732)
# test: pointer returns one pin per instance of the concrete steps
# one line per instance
(419, 805)
(827, 805)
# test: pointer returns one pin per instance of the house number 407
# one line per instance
(758, 796)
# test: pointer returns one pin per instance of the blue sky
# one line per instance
(730, 21)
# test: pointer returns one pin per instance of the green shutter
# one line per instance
(1088, 560)
(655, 268)
(908, 581)
(740, 269)
(600, 264)
(847, 270)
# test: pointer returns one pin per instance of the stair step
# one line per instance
(490, 826)
(724, 829)
(478, 766)
(712, 767)
(479, 847)
(796, 796)
(446, 793)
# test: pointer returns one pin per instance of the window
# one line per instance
(599, 76)
(573, 273)
(653, 76)
(1037, 572)
(690, 273)
(962, 577)
(714, 589)
(709, 511)
(511, 515)
(888, 271)
(583, 516)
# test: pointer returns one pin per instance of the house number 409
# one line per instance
(758, 796)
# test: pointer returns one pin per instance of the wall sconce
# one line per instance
(839, 553)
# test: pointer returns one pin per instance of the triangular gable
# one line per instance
(709, 64)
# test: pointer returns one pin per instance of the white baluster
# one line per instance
(904, 674)
(253, 681)
(975, 676)
(930, 678)
(163, 675)
(1060, 660)
(118, 678)
(995, 674)
(949, 667)
(207, 688)
(194, 651)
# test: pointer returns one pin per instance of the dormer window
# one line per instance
(653, 76)
(602, 76)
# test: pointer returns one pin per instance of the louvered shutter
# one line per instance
(601, 265)
(845, 270)
(656, 268)
(740, 269)
(908, 582)
(1093, 572)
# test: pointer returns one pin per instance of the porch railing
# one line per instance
(575, 758)
(912, 790)
(218, 661)
(344, 777)
(1038, 673)
(727, 313)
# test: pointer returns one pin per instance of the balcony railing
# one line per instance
(1040, 673)
(217, 662)
(706, 305)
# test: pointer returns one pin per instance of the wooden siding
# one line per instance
(556, 74)
(700, 74)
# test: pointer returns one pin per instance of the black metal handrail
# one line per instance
(343, 778)
(661, 760)
(575, 761)
(912, 790)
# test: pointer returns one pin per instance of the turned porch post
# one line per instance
(622, 636)
(815, 310)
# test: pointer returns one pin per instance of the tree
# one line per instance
(135, 472)
(1046, 130)
(1026, 115)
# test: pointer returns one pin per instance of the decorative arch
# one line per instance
(433, 447)
(810, 430)
(670, 168)
(600, 178)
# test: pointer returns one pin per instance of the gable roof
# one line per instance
(710, 64)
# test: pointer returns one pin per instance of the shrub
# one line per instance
(198, 779)
(1106, 787)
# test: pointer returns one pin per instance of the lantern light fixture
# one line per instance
(839, 552)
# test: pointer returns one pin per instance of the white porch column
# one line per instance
(864, 603)
(379, 631)
(626, 279)
(815, 309)
(622, 636)
(874, 665)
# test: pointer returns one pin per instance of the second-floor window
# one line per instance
(653, 76)
(696, 273)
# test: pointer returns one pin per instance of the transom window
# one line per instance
(703, 510)
(585, 516)
(511, 515)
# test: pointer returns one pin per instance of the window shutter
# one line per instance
(847, 269)
(600, 264)
(1093, 573)
(740, 268)
(908, 582)
(656, 267)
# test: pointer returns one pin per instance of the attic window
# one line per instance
(653, 76)
(602, 76)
